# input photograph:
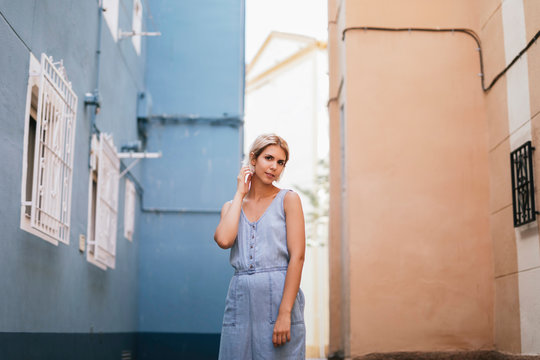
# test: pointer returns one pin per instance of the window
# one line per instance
(136, 25)
(129, 210)
(49, 135)
(103, 202)
(110, 13)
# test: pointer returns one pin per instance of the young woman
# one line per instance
(264, 227)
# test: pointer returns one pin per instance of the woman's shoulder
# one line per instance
(291, 199)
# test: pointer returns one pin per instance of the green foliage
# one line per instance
(318, 197)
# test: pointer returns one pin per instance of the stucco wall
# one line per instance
(417, 181)
(338, 316)
(195, 75)
(184, 275)
(506, 296)
(54, 289)
(55, 299)
(203, 62)
(511, 109)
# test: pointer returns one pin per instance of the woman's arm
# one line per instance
(296, 243)
(227, 229)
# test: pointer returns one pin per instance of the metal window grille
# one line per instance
(523, 202)
(108, 167)
(54, 144)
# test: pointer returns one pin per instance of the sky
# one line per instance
(304, 17)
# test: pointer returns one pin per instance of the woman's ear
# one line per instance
(252, 161)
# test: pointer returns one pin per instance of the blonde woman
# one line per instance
(264, 228)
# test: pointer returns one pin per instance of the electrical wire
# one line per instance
(523, 51)
(15, 32)
(457, 30)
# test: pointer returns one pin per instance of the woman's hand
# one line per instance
(227, 229)
(282, 329)
(242, 183)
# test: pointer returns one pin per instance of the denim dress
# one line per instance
(260, 259)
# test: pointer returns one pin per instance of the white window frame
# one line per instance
(136, 25)
(110, 14)
(103, 202)
(49, 144)
(129, 210)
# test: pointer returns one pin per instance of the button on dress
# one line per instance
(260, 259)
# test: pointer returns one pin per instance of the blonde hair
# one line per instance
(262, 142)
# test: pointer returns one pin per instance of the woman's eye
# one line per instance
(268, 158)
(281, 163)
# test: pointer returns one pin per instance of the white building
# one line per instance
(286, 94)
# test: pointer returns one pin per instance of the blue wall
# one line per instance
(165, 298)
(197, 65)
(184, 275)
(195, 73)
(54, 302)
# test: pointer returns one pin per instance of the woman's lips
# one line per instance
(270, 175)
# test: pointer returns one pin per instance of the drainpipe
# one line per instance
(93, 98)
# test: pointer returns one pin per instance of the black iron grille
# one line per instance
(523, 185)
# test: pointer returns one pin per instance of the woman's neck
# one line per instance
(259, 190)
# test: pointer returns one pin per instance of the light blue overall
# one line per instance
(260, 258)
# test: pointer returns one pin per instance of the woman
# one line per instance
(264, 226)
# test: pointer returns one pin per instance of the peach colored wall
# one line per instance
(531, 303)
(516, 255)
(435, 262)
(336, 320)
(512, 108)
(418, 234)
(336, 268)
(532, 18)
(506, 297)
(425, 13)
(335, 288)
(532, 22)
(422, 278)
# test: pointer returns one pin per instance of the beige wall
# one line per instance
(334, 249)
(527, 75)
(419, 171)
(430, 259)
(336, 290)
(429, 232)
(507, 335)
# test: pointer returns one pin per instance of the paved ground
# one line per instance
(457, 355)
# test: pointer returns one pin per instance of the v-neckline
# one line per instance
(265, 210)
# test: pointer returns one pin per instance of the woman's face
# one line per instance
(269, 164)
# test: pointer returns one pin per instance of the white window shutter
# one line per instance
(129, 210)
(54, 146)
(110, 14)
(107, 202)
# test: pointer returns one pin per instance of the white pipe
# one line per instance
(139, 155)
